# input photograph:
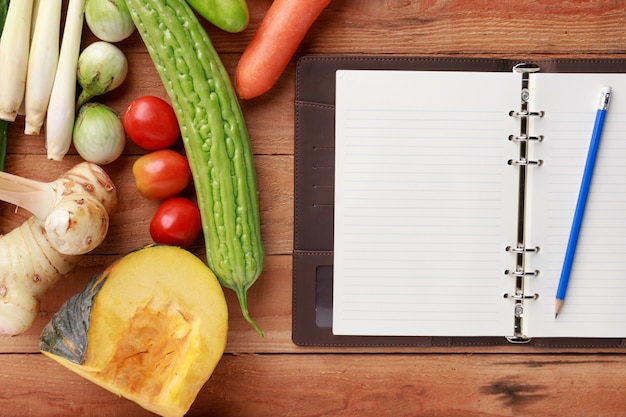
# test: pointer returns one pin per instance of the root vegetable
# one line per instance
(277, 38)
(71, 217)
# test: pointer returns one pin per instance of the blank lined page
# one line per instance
(425, 203)
(595, 301)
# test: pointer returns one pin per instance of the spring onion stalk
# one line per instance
(42, 63)
(98, 134)
(62, 107)
(4, 125)
(14, 47)
(109, 20)
(4, 6)
(102, 67)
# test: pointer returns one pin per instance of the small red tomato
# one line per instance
(176, 222)
(161, 174)
(151, 123)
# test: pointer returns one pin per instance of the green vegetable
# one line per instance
(229, 15)
(102, 67)
(4, 7)
(98, 134)
(215, 139)
(4, 125)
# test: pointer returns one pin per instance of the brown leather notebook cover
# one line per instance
(314, 195)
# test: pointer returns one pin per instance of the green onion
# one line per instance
(42, 63)
(14, 48)
(4, 125)
(62, 106)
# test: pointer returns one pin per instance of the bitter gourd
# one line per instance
(215, 138)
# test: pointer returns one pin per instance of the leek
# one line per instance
(14, 47)
(42, 63)
(62, 106)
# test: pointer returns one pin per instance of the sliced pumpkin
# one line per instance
(150, 328)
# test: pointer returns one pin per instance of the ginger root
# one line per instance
(70, 218)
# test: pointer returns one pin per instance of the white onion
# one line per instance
(109, 20)
(102, 67)
(98, 134)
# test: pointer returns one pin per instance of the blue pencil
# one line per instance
(582, 198)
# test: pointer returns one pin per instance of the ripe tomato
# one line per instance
(176, 222)
(161, 174)
(151, 123)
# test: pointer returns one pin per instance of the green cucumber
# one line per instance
(215, 138)
(229, 15)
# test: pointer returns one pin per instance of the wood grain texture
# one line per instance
(347, 385)
(271, 376)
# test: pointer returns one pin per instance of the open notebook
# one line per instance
(433, 180)
(427, 191)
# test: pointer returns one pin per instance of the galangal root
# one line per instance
(70, 218)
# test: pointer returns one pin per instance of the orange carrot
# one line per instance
(279, 34)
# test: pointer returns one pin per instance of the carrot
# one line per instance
(278, 36)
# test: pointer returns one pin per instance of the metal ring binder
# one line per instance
(523, 163)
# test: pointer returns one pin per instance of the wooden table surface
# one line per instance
(272, 376)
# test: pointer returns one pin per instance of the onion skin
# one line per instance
(109, 20)
(102, 67)
(98, 134)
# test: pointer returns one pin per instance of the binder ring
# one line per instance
(521, 274)
(525, 162)
(525, 138)
(521, 297)
(526, 114)
(524, 67)
(518, 249)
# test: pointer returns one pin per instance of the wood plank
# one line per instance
(347, 385)
(271, 376)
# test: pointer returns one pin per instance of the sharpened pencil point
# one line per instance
(557, 307)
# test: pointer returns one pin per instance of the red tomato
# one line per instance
(176, 222)
(151, 123)
(161, 174)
